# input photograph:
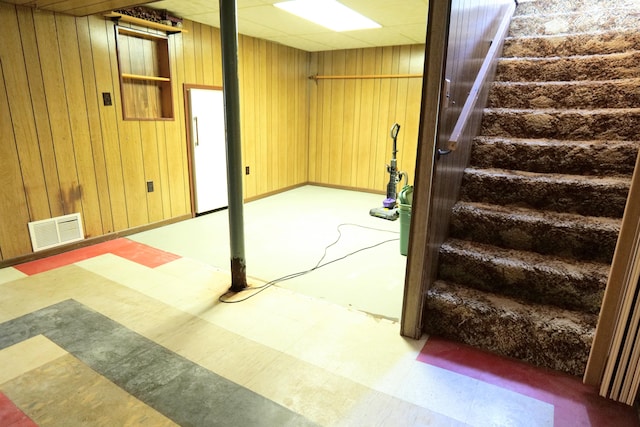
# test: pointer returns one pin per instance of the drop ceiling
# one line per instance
(403, 22)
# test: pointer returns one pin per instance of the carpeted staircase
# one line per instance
(532, 236)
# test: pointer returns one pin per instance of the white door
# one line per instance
(208, 148)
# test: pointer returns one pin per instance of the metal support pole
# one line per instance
(229, 38)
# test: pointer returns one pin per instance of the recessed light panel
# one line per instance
(328, 13)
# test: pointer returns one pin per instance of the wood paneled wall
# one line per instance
(458, 40)
(350, 119)
(473, 30)
(63, 151)
(274, 93)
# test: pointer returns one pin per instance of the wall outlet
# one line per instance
(149, 186)
(106, 98)
(246, 170)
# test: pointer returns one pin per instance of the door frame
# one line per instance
(187, 125)
(418, 259)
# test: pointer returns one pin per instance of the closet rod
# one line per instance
(371, 76)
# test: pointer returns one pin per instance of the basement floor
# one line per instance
(287, 233)
(126, 333)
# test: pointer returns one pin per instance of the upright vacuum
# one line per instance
(389, 209)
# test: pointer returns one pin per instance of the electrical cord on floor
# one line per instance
(317, 266)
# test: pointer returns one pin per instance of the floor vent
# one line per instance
(57, 231)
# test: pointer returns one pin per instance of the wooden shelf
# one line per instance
(145, 74)
(144, 23)
(140, 77)
(139, 33)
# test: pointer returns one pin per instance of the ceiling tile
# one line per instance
(415, 32)
(210, 18)
(404, 22)
(185, 8)
(380, 37)
(277, 18)
(337, 40)
(252, 29)
(302, 44)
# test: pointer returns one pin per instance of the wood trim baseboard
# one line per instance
(345, 187)
(123, 233)
(90, 241)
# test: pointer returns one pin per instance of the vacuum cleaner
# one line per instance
(389, 209)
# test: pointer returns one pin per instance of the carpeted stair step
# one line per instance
(591, 196)
(608, 66)
(583, 94)
(543, 335)
(553, 156)
(571, 45)
(525, 276)
(611, 18)
(550, 233)
(539, 7)
(583, 125)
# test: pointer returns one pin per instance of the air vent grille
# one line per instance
(57, 231)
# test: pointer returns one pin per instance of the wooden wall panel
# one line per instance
(104, 59)
(95, 130)
(350, 119)
(22, 118)
(58, 109)
(175, 148)
(87, 189)
(274, 129)
(38, 100)
(461, 36)
(64, 151)
(12, 194)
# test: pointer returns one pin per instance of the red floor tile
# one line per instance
(11, 415)
(125, 248)
(143, 254)
(575, 403)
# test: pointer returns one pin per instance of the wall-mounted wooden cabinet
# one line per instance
(145, 75)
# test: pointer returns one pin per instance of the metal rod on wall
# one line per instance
(229, 40)
(370, 76)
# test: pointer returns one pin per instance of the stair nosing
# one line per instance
(510, 256)
(565, 57)
(564, 35)
(555, 142)
(578, 13)
(551, 177)
(567, 83)
(535, 215)
(511, 302)
(602, 111)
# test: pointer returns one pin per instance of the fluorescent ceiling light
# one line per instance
(328, 13)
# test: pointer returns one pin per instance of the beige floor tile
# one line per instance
(360, 347)
(66, 392)
(182, 294)
(437, 389)
(288, 232)
(29, 294)
(313, 392)
(127, 273)
(495, 405)
(269, 329)
(9, 274)
(238, 361)
(27, 355)
(381, 410)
